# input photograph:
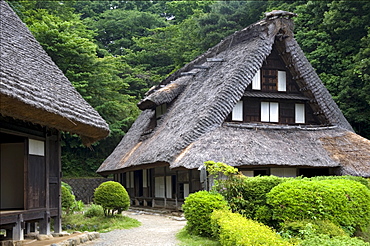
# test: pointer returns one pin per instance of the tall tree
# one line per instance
(116, 28)
(71, 45)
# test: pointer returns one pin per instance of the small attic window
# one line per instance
(237, 114)
(256, 81)
(160, 110)
(269, 112)
(281, 81)
(300, 113)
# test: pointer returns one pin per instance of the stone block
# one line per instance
(42, 237)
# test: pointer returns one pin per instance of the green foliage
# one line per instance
(359, 179)
(116, 28)
(301, 228)
(325, 240)
(344, 202)
(78, 206)
(234, 229)
(247, 195)
(68, 199)
(79, 222)
(67, 186)
(215, 168)
(69, 203)
(198, 208)
(94, 211)
(112, 196)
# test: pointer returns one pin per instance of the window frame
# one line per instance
(272, 113)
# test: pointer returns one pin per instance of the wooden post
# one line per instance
(45, 224)
(58, 224)
(18, 229)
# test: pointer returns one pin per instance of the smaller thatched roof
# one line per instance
(203, 93)
(35, 90)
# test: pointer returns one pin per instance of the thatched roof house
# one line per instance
(34, 89)
(253, 101)
(37, 102)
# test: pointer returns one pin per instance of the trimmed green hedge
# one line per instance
(361, 180)
(198, 208)
(300, 229)
(112, 196)
(234, 229)
(342, 201)
(325, 240)
(247, 195)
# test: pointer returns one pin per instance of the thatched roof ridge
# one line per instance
(310, 147)
(34, 89)
(305, 73)
(195, 118)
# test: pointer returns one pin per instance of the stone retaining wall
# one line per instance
(83, 188)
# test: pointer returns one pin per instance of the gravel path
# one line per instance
(155, 230)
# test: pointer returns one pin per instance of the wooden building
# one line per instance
(37, 102)
(254, 102)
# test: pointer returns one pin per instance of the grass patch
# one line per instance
(192, 240)
(78, 222)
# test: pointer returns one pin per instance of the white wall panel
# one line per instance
(168, 186)
(300, 113)
(159, 186)
(281, 81)
(256, 81)
(274, 112)
(237, 114)
(265, 111)
(36, 147)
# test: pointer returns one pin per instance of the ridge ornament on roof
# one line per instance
(279, 14)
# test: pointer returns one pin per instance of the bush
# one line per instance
(299, 229)
(94, 211)
(198, 208)
(68, 200)
(67, 186)
(344, 202)
(325, 240)
(78, 206)
(112, 196)
(234, 229)
(361, 180)
(247, 195)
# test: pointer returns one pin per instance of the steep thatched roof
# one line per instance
(204, 92)
(34, 89)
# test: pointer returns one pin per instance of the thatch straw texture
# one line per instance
(34, 89)
(193, 129)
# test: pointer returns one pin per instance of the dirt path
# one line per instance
(156, 230)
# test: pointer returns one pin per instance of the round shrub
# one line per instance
(344, 202)
(68, 200)
(234, 229)
(112, 196)
(198, 208)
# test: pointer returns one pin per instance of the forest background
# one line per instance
(114, 51)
